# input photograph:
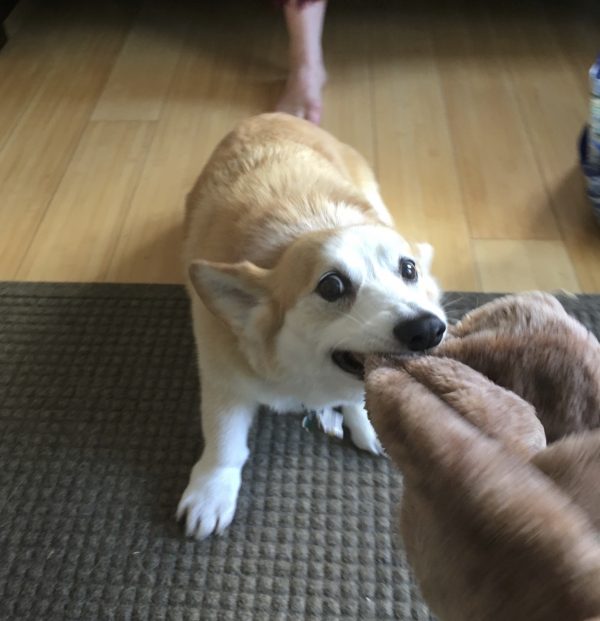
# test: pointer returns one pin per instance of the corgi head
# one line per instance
(333, 297)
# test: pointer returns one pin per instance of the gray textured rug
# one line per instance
(98, 431)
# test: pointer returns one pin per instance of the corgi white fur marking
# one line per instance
(294, 272)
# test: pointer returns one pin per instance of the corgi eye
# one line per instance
(332, 286)
(408, 270)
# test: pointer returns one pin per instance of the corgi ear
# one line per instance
(425, 255)
(230, 291)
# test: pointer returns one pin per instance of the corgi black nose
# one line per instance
(419, 333)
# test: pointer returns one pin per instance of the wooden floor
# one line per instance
(469, 113)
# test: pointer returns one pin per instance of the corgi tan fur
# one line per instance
(295, 273)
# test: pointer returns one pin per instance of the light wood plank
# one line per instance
(516, 265)
(138, 83)
(580, 230)
(348, 113)
(209, 94)
(21, 79)
(39, 149)
(554, 109)
(90, 205)
(417, 89)
(552, 106)
(504, 194)
(415, 157)
(32, 51)
(577, 34)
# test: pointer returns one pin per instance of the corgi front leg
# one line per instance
(210, 499)
(362, 432)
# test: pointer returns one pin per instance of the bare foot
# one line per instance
(302, 95)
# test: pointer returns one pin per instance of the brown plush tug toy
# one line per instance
(498, 525)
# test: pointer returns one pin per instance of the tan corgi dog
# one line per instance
(295, 272)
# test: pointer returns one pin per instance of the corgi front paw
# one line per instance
(366, 439)
(209, 500)
(361, 431)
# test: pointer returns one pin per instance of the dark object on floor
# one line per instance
(591, 174)
(6, 6)
(98, 431)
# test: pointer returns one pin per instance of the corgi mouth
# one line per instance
(350, 362)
